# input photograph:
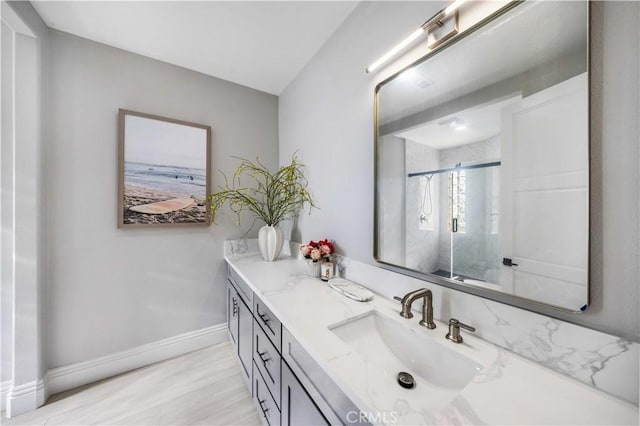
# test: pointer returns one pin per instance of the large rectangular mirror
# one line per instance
(482, 159)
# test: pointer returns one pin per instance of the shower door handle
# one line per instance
(507, 261)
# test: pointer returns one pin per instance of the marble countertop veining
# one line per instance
(508, 389)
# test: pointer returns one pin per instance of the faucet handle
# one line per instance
(454, 330)
(405, 312)
(461, 325)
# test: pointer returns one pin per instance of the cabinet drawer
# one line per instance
(267, 359)
(328, 397)
(269, 322)
(267, 407)
(298, 409)
(243, 288)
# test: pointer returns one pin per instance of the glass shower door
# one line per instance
(473, 223)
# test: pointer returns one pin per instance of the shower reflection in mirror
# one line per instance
(426, 204)
(467, 195)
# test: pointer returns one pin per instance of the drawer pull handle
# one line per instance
(264, 410)
(265, 318)
(263, 358)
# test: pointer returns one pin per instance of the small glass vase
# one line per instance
(326, 270)
(313, 268)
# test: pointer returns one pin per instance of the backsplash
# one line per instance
(601, 360)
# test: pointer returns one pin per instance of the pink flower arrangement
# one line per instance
(321, 250)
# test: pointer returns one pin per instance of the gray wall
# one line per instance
(112, 289)
(328, 108)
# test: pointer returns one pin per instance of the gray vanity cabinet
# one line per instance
(232, 314)
(245, 337)
(240, 325)
(298, 409)
(287, 386)
(268, 361)
(327, 397)
(267, 407)
(269, 323)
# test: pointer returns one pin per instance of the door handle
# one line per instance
(235, 306)
(507, 261)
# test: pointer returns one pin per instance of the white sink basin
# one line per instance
(395, 348)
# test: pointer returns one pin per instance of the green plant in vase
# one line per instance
(271, 197)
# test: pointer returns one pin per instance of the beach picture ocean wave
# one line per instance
(169, 179)
(165, 172)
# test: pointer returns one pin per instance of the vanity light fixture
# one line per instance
(436, 21)
(453, 7)
(404, 43)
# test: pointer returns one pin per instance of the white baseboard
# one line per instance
(29, 396)
(25, 397)
(71, 376)
(4, 392)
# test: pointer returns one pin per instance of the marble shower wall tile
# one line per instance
(598, 359)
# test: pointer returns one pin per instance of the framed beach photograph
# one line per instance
(164, 169)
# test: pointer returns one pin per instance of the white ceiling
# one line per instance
(473, 125)
(261, 44)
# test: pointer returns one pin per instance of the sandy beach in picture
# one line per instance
(136, 196)
(165, 172)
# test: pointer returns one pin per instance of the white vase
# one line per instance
(270, 241)
(313, 268)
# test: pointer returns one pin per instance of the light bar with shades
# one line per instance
(436, 21)
(453, 7)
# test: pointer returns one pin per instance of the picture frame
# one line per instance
(164, 171)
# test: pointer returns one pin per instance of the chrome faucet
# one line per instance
(454, 330)
(427, 306)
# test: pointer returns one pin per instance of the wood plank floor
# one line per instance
(201, 388)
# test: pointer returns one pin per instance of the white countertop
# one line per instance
(508, 390)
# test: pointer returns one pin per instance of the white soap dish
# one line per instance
(351, 289)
